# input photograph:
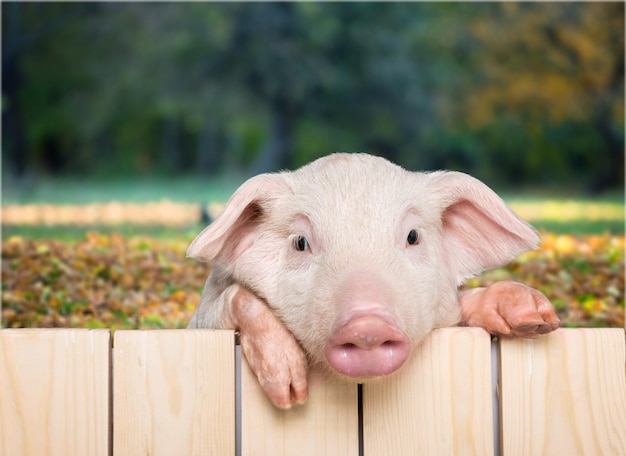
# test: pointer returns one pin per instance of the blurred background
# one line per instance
(130, 117)
(518, 94)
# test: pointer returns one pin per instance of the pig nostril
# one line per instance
(391, 343)
(348, 348)
(370, 345)
(367, 346)
(391, 346)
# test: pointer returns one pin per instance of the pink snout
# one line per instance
(367, 346)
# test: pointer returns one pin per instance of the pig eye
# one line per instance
(301, 244)
(413, 237)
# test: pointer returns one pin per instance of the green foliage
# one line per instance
(512, 92)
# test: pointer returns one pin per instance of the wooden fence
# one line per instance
(176, 392)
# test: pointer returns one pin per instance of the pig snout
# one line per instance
(367, 346)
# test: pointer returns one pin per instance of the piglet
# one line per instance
(347, 263)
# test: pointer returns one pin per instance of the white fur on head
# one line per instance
(355, 211)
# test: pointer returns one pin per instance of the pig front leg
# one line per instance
(508, 308)
(272, 352)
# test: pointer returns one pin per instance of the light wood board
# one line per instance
(440, 403)
(174, 392)
(54, 392)
(564, 394)
(326, 425)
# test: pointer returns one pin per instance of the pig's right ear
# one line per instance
(235, 229)
(479, 231)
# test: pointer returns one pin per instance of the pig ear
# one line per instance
(235, 229)
(479, 230)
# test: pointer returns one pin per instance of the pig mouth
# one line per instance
(367, 347)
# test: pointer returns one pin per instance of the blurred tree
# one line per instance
(512, 92)
(557, 74)
(22, 32)
(273, 64)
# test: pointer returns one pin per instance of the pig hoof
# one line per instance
(272, 351)
(279, 364)
(283, 395)
(281, 375)
(281, 370)
(509, 308)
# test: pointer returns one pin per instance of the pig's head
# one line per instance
(360, 258)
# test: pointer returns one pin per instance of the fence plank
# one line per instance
(174, 392)
(439, 403)
(564, 394)
(54, 392)
(326, 424)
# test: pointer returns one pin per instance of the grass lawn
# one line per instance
(139, 190)
(558, 214)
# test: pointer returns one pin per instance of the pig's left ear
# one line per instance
(479, 231)
(237, 226)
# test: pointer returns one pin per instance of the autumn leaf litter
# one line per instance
(116, 282)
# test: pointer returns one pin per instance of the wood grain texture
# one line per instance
(326, 425)
(564, 394)
(440, 403)
(54, 392)
(174, 392)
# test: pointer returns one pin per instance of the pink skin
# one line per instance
(284, 245)
(370, 345)
(366, 339)
(367, 346)
(509, 309)
(271, 350)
